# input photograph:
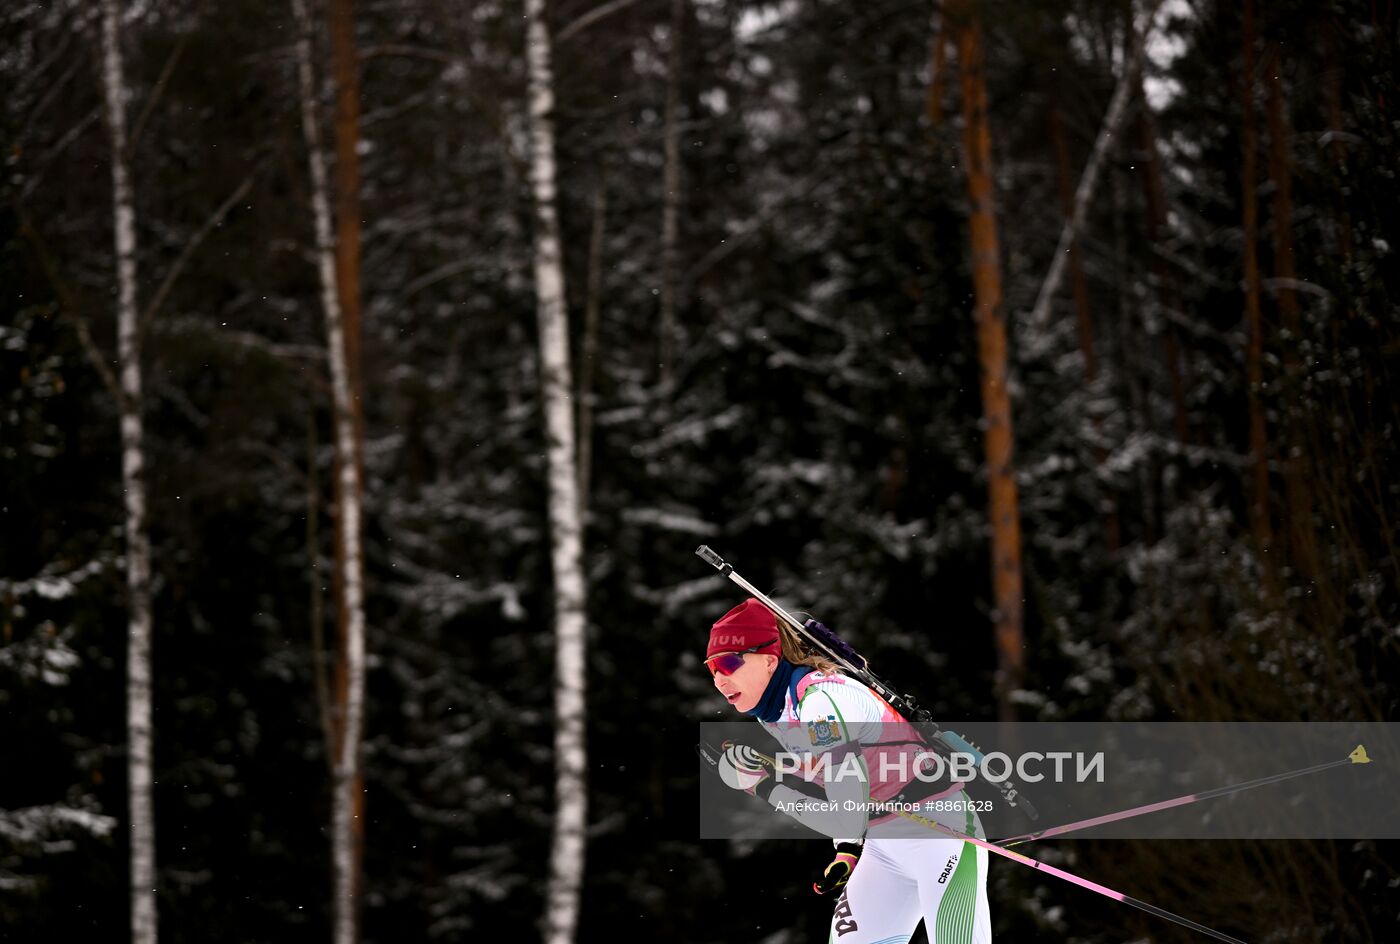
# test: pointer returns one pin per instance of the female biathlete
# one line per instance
(890, 870)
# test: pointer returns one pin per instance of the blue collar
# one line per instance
(784, 680)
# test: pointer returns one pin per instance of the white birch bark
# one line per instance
(571, 802)
(138, 548)
(1088, 181)
(347, 754)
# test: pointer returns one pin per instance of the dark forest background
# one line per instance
(820, 426)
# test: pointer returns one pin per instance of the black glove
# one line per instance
(838, 871)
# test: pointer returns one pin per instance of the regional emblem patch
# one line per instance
(823, 733)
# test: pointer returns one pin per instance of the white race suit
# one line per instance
(907, 870)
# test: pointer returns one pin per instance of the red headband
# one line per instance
(747, 625)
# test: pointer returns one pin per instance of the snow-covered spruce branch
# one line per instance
(53, 583)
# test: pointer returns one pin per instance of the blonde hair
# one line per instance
(798, 653)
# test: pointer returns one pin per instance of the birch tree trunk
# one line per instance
(1079, 289)
(1254, 354)
(345, 747)
(671, 208)
(349, 670)
(138, 548)
(567, 851)
(992, 354)
(1084, 192)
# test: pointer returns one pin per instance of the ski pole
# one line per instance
(1074, 879)
(1058, 873)
(946, 740)
(1357, 756)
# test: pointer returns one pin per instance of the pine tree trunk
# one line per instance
(138, 550)
(571, 803)
(1254, 355)
(349, 712)
(346, 72)
(671, 208)
(992, 353)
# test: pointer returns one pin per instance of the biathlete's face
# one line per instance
(744, 686)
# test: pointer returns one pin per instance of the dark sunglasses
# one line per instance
(727, 663)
